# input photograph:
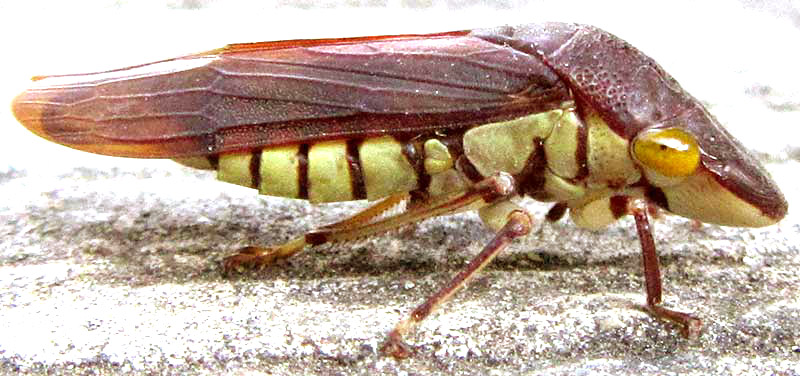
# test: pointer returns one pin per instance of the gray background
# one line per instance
(112, 265)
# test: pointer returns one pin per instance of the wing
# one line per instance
(245, 96)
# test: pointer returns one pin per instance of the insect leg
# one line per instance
(263, 256)
(518, 223)
(690, 325)
(369, 214)
(364, 224)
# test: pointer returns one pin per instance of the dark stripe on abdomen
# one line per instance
(255, 168)
(302, 172)
(412, 153)
(357, 185)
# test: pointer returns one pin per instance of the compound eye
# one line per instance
(670, 152)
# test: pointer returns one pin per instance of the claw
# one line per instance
(249, 258)
(395, 346)
(690, 326)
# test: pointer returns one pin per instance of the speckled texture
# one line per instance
(112, 266)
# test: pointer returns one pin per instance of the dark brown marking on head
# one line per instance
(357, 185)
(302, 171)
(255, 168)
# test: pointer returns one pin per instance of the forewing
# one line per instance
(246, 96)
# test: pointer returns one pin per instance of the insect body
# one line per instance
(439, 123)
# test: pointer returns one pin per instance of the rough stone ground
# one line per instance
(112, 266)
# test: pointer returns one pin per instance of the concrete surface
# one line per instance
(112, 266)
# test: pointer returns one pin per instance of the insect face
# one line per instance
(705, 174)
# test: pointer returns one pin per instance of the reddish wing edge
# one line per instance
(246, 96)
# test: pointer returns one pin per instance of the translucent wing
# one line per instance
(245, 96)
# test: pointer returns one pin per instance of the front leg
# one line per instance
(690, 326)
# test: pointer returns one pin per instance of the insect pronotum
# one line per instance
(433, 124)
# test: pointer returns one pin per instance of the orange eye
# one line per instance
(670, 152)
